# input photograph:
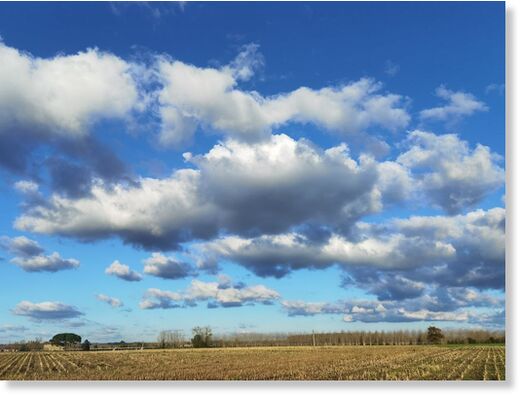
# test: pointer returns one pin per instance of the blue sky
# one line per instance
(262, 167)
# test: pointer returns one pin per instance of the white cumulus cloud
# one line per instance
(217, 294)
(122, 271)
(167, 267)
(448, 172)
(459, 104)
(210, 98)
(62, 95)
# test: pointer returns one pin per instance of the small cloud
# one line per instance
(46, 263)
(26, 187)
(123, 272)
(30, 256)
(348, 318)
(46, 311)
(459, 104)
(167, 267)
(21, 246)
(114, 302)
(217, 294)
(158, 299)
(498, 88)
(391, 68)
(246, 63)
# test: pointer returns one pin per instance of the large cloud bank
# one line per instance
(260, 198)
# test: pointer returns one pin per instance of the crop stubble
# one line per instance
(268, 363)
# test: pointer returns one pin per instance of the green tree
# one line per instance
(434, 335)
(85, 345)
(65, 339)
(201, 337)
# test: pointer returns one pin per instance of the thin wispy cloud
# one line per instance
(114, 302)
(391, 68)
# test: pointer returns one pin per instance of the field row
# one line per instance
(275, 363)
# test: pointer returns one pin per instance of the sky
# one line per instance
(255, 167)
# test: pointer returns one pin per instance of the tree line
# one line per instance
(204, 337)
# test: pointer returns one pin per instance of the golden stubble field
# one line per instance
(263, 363)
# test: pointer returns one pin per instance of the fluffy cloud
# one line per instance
(284, 180)
(267, 187)
(65, 94)
(479, 240)
(45, 263)
(459, 104)
(167, 267)
(156, 213)
(46, 311)
(30, 256)
(208, 97)
(448, 172)
(158, 299)
(52, 104)
(427, 308)
(268, 199)
(393, 260)
(389, 252)
(26, 187)
(268, 255)
(55, 100)
(21, 246)
(217, 294)
(246, 63)
(277, 255)
(270, 203)
(82, 162)
(122, 271)
(114, 302)
(388, 286)
(395, 183)
(94, 85)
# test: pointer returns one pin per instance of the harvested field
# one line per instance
(265, 363)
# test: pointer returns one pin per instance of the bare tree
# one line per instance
(170, 338)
